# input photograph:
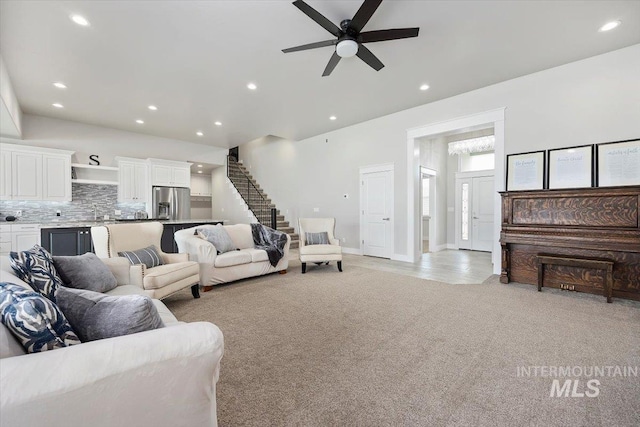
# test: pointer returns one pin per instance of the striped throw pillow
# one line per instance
(316, 238)
(148, 256)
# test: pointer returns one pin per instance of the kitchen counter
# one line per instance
(90, 223)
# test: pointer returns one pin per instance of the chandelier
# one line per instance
(474, 145)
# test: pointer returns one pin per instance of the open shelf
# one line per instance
(91, 174)
(104, 168)
(94, 181)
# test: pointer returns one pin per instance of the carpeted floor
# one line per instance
(369, 348)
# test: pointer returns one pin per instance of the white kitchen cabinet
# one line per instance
(34, 173)
(56, 183)
(5, 174)
(170, 174)
(23, 237)
(133, 180)
(201, 185)
(18, 237)
(26, 175)
(5, 239)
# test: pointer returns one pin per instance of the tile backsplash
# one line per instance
(84, 196)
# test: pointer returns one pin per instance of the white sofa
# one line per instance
(163, 377)
(227, 267)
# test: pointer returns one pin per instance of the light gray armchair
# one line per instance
(319, 253)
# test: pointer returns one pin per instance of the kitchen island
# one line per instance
(66, 238)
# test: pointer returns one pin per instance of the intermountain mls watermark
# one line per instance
(576, 381)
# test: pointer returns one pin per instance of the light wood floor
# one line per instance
(450, 266)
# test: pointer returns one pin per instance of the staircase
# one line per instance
(258, 201)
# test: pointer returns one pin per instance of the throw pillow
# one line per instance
(148, 256)
(96, 316)
(85, 272)
(34, 320)
(35, 267)
(316, 238)
(218, 237)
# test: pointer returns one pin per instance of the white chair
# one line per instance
(319, 253)
(158, 282)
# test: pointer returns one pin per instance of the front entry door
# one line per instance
(482, 214)
(377, 210)
(475, 212)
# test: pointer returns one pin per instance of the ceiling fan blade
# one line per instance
(382, 35)
(362, 16)
(332, 64)
(318, 17)
(368, 57)
(311, 46)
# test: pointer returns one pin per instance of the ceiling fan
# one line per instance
(349, 36)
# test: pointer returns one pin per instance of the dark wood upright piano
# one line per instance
(590, 223)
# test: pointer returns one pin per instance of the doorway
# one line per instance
(376, 208)
(428, 210)
(493, 118)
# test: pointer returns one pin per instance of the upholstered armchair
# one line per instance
(315, 246)
(174, 274)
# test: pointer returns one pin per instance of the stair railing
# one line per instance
(251, 195)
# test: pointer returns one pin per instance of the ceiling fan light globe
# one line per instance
(347, 48)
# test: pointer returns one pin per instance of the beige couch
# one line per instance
(158, 282)
(163, 377)
(230, 266)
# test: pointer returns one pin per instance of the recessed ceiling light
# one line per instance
(199, 166)
(218, 123)
(152, 107)
(199, 133)
(424, 87)
(60, 85)
(58, 105)
(80, 20)
(332, 118)
(140, 122)
(609, 26)
(199, 171)
(252, 86)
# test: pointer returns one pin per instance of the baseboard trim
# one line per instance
(401, 257)
(352, 251)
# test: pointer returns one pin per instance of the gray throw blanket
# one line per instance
(270, 240)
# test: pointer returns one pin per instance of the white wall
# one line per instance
(585, 102)
(109, 143)
(226, 203)
(10, 113)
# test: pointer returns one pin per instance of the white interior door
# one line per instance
(474, 212)
(482, 214)
(377, 210)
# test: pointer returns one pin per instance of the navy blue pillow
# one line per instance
(35, 267)
(35, 321)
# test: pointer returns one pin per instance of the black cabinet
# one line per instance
(67, 241)
(168, 243)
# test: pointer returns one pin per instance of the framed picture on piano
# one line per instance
(618, 163)
(526, 171)
(571, 167)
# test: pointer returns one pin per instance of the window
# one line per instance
(465, 211)
(477, 161)
(425, 197)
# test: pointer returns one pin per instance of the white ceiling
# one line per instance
(194, 59)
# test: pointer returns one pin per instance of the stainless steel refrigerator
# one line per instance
(171, 203)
